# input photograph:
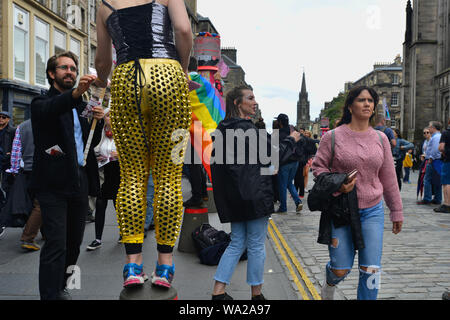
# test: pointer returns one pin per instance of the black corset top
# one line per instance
(141, 32)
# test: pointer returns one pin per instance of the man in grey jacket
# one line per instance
(22, 163)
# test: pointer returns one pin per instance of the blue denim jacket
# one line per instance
(399, 154)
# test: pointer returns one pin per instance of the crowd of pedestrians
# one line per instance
(47, 176)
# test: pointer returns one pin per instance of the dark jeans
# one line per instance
(399, 172)
(63, 221)
(286, 175)
(407, 171)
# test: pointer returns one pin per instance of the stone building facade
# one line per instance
(426, 74)
(386, 79)
(31, 31)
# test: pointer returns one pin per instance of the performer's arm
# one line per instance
(103, 57)
(183, 32)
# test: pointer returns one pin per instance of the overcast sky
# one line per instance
(334, 41)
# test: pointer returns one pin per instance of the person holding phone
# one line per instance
(359, 148)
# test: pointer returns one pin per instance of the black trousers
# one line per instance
(198, 181)
(197, 176)
(399, 172)
(63, 221)
(299, 181)
(100, 212)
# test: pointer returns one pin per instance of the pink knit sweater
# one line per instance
(376, 172)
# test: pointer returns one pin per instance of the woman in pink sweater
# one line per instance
(358, 146)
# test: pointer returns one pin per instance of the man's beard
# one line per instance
(64, 85)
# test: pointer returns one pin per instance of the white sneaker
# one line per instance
(2, 231)
(327, 291)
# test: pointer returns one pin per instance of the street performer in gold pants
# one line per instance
(149, 102)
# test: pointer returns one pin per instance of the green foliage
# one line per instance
(335, 111)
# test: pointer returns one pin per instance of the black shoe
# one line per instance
(64, 295)
(223, 296)
(151, 227)
(94, 245)
(442, 208)
(192, 203)
(446, 295)
(435, 202)
(259, 297)
(280, 211)
(299, 207)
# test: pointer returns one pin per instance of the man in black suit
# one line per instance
(60, 179)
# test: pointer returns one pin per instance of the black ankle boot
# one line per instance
(223, 296)
(259, 297)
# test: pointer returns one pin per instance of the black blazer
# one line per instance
(52, 122)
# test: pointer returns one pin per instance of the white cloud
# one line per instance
(334, 41)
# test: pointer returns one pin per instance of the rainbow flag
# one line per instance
(208, 109)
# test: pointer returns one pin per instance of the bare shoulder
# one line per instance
(103, 12)
(163, 2)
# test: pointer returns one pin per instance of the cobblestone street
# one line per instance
(415, 263)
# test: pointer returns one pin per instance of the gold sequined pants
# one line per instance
(164, 109)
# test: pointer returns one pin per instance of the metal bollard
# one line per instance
(148, 292)
(193, 218)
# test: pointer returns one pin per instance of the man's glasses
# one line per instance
(3, 117)
(66, 67)
(425, 132)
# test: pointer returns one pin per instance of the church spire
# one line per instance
(303, 108)
(303, 83)
(303, 92)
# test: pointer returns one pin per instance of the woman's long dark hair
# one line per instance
(351, 96)
(236, 93)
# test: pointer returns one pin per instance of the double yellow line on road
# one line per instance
(284, 247)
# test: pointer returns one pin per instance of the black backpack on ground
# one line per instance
(211, 244)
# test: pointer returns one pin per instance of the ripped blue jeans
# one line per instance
(342, 252)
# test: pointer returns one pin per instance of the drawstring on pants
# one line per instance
(138, 74)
